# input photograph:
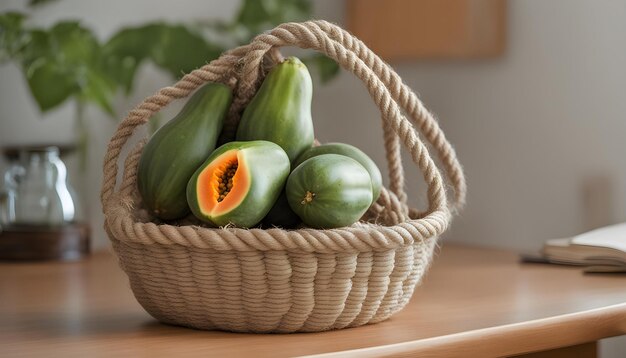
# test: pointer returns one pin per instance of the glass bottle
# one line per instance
(36, 190)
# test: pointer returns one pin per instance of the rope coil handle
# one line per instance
(383, 84)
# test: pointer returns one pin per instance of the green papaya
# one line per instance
(280, 112)
(238, 183)
(352, 152)
(329, 191)
(176, 150)
(281, 214)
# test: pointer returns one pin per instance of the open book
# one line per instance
(600, 250)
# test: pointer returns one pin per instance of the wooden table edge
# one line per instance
(511, 339)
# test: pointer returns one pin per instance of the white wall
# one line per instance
(532, 127)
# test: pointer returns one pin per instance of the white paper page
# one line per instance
(613, 237)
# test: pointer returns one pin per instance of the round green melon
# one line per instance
(352, 152)
(329, 191)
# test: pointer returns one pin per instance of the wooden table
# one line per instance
(473, 303)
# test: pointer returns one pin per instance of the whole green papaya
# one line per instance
(329, 191)
(176, 150)
(280, 112)
(281, 214)
(352, 152)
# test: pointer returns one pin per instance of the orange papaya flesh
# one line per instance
(221, 185)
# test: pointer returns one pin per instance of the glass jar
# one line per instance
(36, 191)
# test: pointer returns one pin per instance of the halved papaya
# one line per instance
(239, 183)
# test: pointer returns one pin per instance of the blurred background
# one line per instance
(533, 101)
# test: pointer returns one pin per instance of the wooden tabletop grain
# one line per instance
(479, 302)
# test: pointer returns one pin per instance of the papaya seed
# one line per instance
(225, 180)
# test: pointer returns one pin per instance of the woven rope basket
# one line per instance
(278, 280)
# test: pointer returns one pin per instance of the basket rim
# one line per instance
(359, 237)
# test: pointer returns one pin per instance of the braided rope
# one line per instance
(244, 65)
(409, 102)
(360, 237)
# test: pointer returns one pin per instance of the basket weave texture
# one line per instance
(278, 280)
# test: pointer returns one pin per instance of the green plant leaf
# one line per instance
(136, 42)
(99, 90)
(12, 35)
(121, 71)
(253, 13)
(261, 15)
(290, 10)
(64, 62)
(34, 3)
(37, 46)
(174, 48)
(126, 49)
(74, 45)
(326, 67)
(256, 13)
(50, 84)
(180, 51)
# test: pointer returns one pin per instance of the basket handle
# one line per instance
(387, 91)
(410, 103)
